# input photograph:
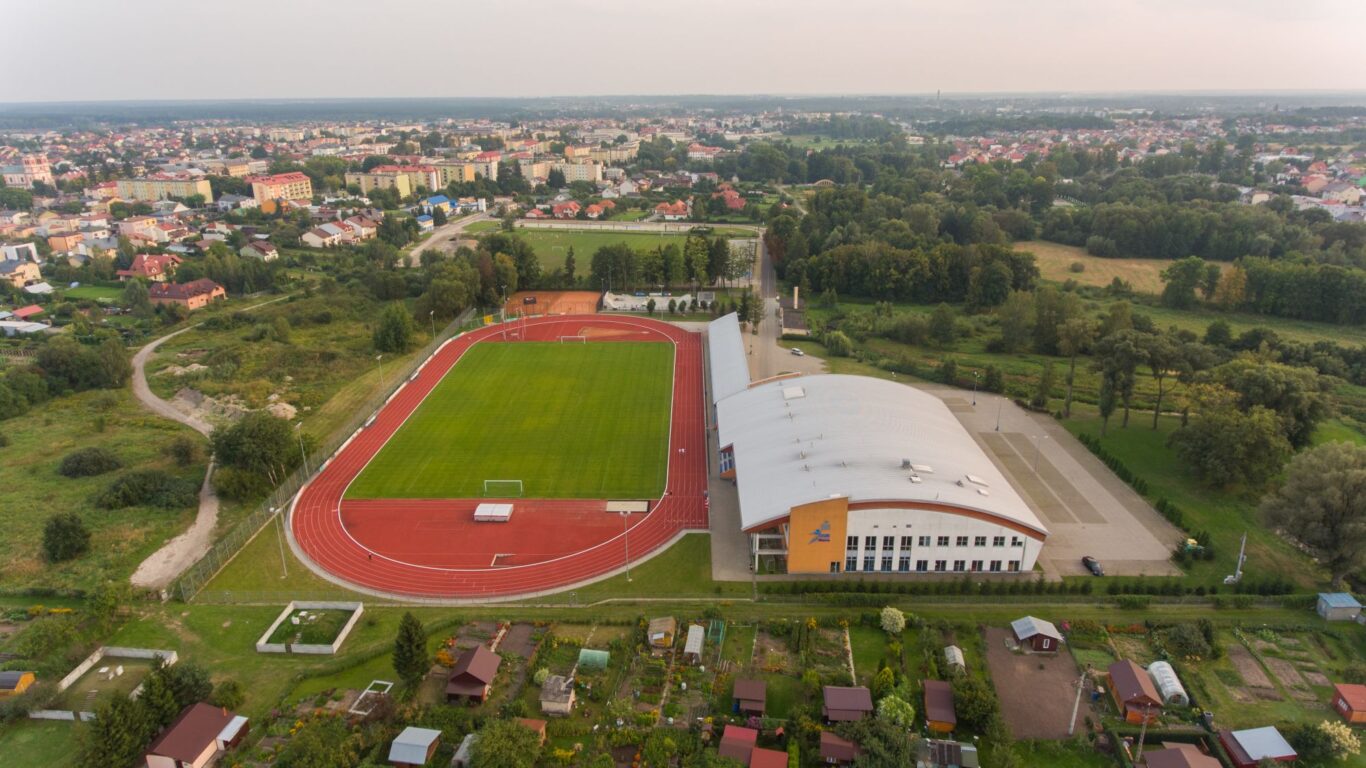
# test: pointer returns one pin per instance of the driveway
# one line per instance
(443, 235)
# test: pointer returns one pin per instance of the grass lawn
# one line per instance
(93, 292)
(1225, 514)
(257, 569)
(49, 743)
(569, 420)
(552, 245)
(78, 697)
(315, 627)
(869, 645)
(1060, 754)
(31, 490)
(683, 570)
(783, 693)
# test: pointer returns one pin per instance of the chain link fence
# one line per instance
(188, 584)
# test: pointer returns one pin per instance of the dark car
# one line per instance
(1093, 565)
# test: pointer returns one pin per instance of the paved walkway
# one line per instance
(443, 234)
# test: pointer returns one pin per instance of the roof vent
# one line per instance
(905, 463)
(925, 468)
(984, 491)
(916, 479)
(975, 480)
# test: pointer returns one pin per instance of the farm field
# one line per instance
(562, 418)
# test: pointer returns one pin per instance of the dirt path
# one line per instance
(175, 556)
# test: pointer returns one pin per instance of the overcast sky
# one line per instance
(75, 50)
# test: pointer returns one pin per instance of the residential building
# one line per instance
(196, 738)
(845, 703)
(65, 241)
(143, 227)
(259, 249)
(456, 173)
(589, 171)
(294, 185)
(193, 295)
(20, 252)
(1133, 691)
(163, 186)
(473, 674)
(19, 273)
(153, 267)
(940, 715)
(414, 747)
(675, 211)
(375, 178)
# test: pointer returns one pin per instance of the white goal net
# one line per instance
(502, 489)
(573, 339)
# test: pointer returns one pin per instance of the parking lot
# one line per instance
(1088, 511)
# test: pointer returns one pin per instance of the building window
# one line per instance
(962, 541)
(998, 541)
(959, 565)
(887, 563)
(940, 565)
(995, 566)
(851, 543)
(870, 542)
(922, 565)
(943, 541)
(1016, 541)
(851, 564)
(1014, 566)
(903, 564)
(980, 541)
(924, 541)
(975, 566)
(888, 543)
(905, 542)
(868, 562)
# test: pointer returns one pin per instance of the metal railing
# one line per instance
(189, 583)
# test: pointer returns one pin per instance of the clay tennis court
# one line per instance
(432, 548)
(552, 303)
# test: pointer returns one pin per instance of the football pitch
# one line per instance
(570, 420)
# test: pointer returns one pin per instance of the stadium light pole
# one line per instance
(280, 524)
(379, 366)
(626, 534)
(432, 315)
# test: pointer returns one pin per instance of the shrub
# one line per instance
(228, 694)
(1187, 641)
(240, 484)
(838, 344)
(892, 621)
(64, 537)
(88, 462)
(1077, 267)
(184, 451)
(148, 487)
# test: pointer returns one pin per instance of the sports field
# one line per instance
(552, 245)
(570, 420)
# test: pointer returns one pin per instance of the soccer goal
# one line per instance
(573, 339)
(502, 489)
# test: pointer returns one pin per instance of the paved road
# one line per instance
(164, 565)
(443, 234)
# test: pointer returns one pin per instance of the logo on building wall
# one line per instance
(821, 535)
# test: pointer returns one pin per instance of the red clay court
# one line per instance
(433, 548)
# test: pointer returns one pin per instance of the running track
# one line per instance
(418, 548)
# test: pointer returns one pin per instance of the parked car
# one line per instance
(1093, 565)
(798, 352)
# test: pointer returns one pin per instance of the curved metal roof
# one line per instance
(809, 438)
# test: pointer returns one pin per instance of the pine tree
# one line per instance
(410, 651)
(569, 266)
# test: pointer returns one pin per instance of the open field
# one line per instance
(1055, 260)
(31, 490)
(94, 292)
(552, 245)
(569, 420)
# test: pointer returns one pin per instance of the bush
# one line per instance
(1077, 267)
(838, 344)
(184, 451)
(1188, 642)
(64, 537)
(148, 487)
(88, 462)
(240, 484)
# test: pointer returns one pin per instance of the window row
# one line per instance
(889, 543)
(872, 564)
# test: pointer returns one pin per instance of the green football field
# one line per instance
(572, 420)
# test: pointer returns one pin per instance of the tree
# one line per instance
(188, 681)
(410, 652)
(1045, 389)
(974, 701)
(259, 443)
(837, 343)
(650, 307)
(1182, 278)
(1225, 444)
(1322, 505)
(395, 330)
(438, 216)
(555, 179)
(1119, 355)
(883, 682)
(228, 694)
(892, 620)
(1016, 318)
(64, 537)
(896, 711)
(1074, 337)
(1323, 743)
(1162, 353)
(505, 744)
(569, 266)
(1299, 396)
(118, 734)
(159, 701)
(943, 325)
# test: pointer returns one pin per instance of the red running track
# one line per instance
(431, 548)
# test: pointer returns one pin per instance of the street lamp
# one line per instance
(974, 389)
(299, 433)
(432, 315)
(379, 366)
(280, 524)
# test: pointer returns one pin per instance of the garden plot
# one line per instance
(1036, 690)
(115, 676)
(310, 628)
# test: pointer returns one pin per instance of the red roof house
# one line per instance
(1133, 691)
(151, 266)
(737, 742)
(472, 676)
(1350, 702)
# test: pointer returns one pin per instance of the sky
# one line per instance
(87, 50)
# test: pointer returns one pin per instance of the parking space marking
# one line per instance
(1076, 503)
(1026, 481)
